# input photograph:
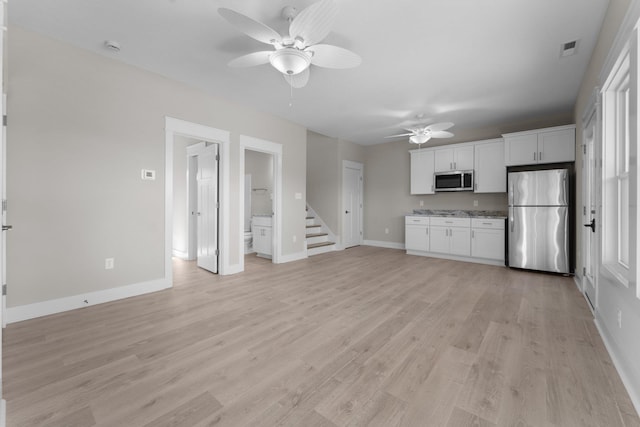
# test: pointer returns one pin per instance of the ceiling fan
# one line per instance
(422, 134)
(301, 48)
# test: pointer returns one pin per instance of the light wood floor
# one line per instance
(362, 337)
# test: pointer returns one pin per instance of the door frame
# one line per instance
(591, 117)
(174, 127)
(348, 164)
(275, 149)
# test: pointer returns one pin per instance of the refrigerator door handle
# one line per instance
(511, 219)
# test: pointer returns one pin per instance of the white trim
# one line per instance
(275, 149)
(45, 308)
(629, 385)
(622, 39)
(180, 254)
(382, 244)
(498, 263)
(293, 257)
(222, 138)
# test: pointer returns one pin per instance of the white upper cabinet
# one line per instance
(422, 171)
(490, 172)
(550, 145)
(455, 157)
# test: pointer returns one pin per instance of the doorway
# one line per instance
(590, 211)
(352, 183)
(174, 130)
(268, 197)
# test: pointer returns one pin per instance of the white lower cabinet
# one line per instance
(487, 238)
(417, 233)
(466, 239)
(451, 235)
(262, 235)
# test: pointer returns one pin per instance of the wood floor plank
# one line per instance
(362, 337)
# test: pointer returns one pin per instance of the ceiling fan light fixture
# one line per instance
(290, 61)
(419, 139)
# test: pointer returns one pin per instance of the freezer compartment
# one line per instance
(539, 188)
(539, 238)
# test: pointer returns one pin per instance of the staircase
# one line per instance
(317, 238)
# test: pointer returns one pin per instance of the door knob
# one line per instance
(592, 225)
(346, 212)
(7, 227)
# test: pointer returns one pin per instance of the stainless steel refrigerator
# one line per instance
(539, 220)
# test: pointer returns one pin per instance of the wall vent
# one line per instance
(568, 48)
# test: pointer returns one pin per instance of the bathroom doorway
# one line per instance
(260, 184)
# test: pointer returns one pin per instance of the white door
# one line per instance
(589, 231)
(352, 204)
(207, 222)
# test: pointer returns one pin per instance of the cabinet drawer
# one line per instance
(417, 220)
(497, 223)
(450, 222)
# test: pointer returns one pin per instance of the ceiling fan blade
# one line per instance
(314, 23)
(252, 59)
(439, 126)
(252, 28)
(441, 134)
(329, 56)
(297, 80)
(400, 134)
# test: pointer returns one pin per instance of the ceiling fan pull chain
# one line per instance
(290, 91)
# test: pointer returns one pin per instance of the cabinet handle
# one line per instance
(535, 156)
(475, 186)
(473, 234)
(540, 156)
(454, 166)
(427, 230)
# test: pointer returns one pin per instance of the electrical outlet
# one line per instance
(475, 203)
(295, 238)
(108, 263)
(619, 318)
(386, 231)
(421, 203)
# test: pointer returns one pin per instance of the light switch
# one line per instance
(298, 196)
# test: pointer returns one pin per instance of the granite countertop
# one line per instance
(459, 213)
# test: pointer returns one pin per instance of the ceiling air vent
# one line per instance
(568, 48)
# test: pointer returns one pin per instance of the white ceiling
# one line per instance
(477, 63)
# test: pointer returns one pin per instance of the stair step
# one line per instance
(314, 226)
(310, 217)
(309, 235)
(318, 245)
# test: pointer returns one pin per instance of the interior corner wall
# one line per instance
(613, 298)
(83, 126)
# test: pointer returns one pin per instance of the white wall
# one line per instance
(260, 167)
(82, 128)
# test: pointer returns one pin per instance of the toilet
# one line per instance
(248, 240)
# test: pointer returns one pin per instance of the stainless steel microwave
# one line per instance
(454, 181)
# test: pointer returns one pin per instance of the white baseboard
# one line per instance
(382, 244)
(45, 308)
(293, 257)
(180, 254)
(634, 394)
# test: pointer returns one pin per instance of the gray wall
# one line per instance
(324, 175)
(622, 342)
(82, 128)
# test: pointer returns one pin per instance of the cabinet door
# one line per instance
(490, 173)
(463, 158)
(439, 239)
(487, 243)
(422, 172)
(262, 240)
(557, 146)
(521, 149)
(416, 237)
(460, 241)
(443, 159)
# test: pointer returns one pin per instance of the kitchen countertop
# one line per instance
(459, 213)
